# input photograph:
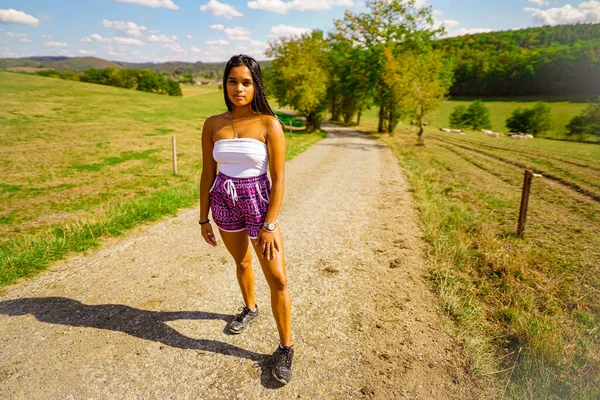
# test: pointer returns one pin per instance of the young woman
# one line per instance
(243, 142)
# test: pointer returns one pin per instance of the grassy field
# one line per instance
(527, 309)
(500, 109)
(81, 161)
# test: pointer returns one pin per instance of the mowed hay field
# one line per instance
(81, 161)
(527, 309)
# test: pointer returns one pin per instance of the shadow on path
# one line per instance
(148, 325)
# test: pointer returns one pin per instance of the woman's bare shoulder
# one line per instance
(215, 122)
(272, 123)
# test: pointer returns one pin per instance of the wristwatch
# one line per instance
(270, 226)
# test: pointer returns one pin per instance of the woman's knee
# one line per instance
(278, 283)
(244, 265)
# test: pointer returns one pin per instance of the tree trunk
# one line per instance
(359, 114)
(381, 127)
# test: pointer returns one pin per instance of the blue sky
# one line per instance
(213, 30)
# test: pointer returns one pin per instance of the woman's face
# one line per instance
(240, 87)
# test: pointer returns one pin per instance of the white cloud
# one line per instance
(85, 40)
(237, 33)
(221, 9)
(189, 36)
(567, 14)
(153, 3)
(10, 54)
(467, 31)
(97, 38)
(86, 52)
(218, 27)
(127, 41)
(285, 31)
(161, 39)
(128, 28)
(218, 42)
(55, 44)
(46, 36)
(195, 49)
(281, 7)
(176, 47)
(448, 23)
(539, 2)
(12, 16)
(21, 37)
(115, 53)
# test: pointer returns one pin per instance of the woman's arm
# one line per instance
(209, 173)
(276, 148)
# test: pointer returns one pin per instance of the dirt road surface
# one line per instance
(145, 317)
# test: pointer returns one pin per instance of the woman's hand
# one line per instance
(208, 235)
(268, 241)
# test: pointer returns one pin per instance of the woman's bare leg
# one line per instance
(275, 274)
(238, 246)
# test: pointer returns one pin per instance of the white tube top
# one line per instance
(241, 157)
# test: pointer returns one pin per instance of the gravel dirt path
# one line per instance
(145, 316)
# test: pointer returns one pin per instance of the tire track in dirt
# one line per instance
(145, 317)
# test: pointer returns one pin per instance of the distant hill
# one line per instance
(80, 64)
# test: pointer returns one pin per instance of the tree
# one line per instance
(530, 120)
(588, 123)
(457, 117)
(540, 120)
(392, 24)
(300, 76)
(477, 116)
(419, 83)
(520, 120)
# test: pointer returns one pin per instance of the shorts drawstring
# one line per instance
(230, 189)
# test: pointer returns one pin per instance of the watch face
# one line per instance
(271, 226)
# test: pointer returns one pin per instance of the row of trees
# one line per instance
(382, 58)
(534, 120)
(391, 58)
(143, 80)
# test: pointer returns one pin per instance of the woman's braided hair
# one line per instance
(259, 102)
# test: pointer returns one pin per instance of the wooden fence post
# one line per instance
(174, 155)
(290, 126)
(524, 202)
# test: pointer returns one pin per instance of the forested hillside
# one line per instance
(559, 60)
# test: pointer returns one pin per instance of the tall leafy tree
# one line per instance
(392, 24)
(300, 76)
(419, 83)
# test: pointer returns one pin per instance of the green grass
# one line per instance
(88, 169)
(527, 309)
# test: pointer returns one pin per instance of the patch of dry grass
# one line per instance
(528, 308)
(72, 153)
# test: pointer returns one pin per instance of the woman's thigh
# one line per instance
(237, 244)
(274, 269)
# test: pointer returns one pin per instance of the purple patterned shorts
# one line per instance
(240, 204)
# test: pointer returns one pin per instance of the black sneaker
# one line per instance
(282, 364)
(241, 321)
